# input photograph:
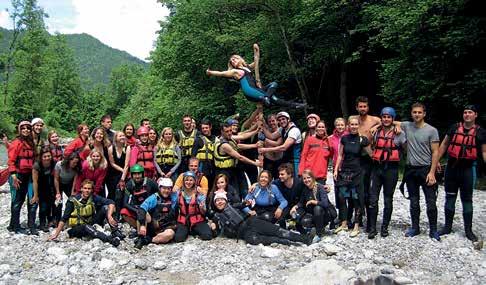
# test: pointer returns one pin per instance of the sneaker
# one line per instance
(354, 233)
(316, 239)
(115, 241)
(435, 235)
(21, 231)
(384, 232)
(140, 242)
(33, 231)
(372, 234)
(411, 232)
(44, 228)
(133, 234)
(266, 101)
(117, 233)
(445, 230)
(471, 236)
(340, 229)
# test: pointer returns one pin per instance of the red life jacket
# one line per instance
(56, 152)
(385, 148)
(25, 158)
(190, 211)
(146, 156)
(463, 144)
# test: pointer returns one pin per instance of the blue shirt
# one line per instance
(151, 202)
(264, 197)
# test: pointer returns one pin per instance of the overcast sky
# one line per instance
(128, 25)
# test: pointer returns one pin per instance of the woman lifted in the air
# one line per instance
(239, 70)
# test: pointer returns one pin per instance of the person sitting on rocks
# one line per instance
(312, 209)
(266, 201)
(156, 216)
(83, 211)
(191, 210)
(137, 190)
(232, 222)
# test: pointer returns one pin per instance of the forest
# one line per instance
(322, 52)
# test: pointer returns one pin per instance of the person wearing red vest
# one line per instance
(79, 144)
(464, 143)
(191, 210)
(143, 153)
(387, 147)
(21, 155)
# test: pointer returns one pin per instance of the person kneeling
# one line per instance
(83, 211)
(314, 208)
(191, 208)
(156, 216)
(234, 223)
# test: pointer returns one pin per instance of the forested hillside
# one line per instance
(95, 60)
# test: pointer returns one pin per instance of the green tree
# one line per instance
(65, 86)
(124, 81)
(29, 88)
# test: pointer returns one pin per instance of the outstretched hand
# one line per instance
(208, 72)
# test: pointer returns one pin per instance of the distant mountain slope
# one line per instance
(95, 59)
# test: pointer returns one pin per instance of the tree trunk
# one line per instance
(300, 83)
(343, 92)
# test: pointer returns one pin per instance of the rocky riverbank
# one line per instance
(337, 259)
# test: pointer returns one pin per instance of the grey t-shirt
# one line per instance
(66, 175)
(419, 151)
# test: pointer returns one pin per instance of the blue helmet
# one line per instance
(388, 111)
(190, 174)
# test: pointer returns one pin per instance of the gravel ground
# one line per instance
(337, 259)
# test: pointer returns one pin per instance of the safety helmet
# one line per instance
(388, 111)
(315, 116)
(165, 182)
(36, 121)
(24, 123)
(142, 131)
(220, 195)
(137, 168)
(190, 174)
(232, 122)
(283, 114)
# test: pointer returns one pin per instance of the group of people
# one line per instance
(263, 180)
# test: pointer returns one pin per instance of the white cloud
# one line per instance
(128, 25)
(5, 21)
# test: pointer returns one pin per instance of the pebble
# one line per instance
(159, 265)
(269, 252)
(140, 264)
(106, 264)
(331, 249)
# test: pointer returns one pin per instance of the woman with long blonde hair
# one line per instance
(94, 168)
(252, 87)
(167, 154)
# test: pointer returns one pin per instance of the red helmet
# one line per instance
(142, 131)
